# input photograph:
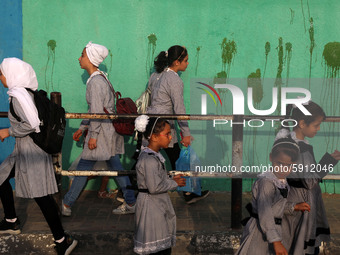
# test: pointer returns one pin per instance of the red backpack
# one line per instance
(123, 106)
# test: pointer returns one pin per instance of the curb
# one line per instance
(188, 242)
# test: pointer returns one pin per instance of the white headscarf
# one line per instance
(20, 75)
(96, 53)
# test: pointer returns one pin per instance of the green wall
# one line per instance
(55, 32)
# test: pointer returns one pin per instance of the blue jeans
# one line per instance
(79, 181)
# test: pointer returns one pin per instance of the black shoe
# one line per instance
(66, 246)
(193, 198)
(9, 227)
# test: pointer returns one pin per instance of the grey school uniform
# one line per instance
(167, 98)
(109, 142)
(34, 173)
(268, 203)
(155, 219)
(303, 232)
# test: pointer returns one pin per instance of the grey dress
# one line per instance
(34, 173)
(155, 219)
(109, 142)
(268, 203)
(167, 98)
(304, 231)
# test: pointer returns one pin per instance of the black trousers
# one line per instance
(47, 206)
(173, 155)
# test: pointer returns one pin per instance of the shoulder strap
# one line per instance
(30, 90)
(108, 81)
(117, 94)
(11, 108)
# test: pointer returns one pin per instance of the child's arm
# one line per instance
(327, 162)
(315, 172)
(4, 134)
(156, 181)
(336, 155)
(290, 207)
(179, 180)
(279, 249)
(302, 207)
(84, 125)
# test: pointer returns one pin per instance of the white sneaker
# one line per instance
(65, 211)
(124, 209)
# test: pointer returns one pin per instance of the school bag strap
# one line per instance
(52, 122)
(117, 94)
(122, 106)
(11, 109)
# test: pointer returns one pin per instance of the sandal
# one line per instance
(105, 194)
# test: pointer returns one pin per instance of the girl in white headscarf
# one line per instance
(102, 142)
(29, 164)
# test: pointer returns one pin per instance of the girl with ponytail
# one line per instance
(167, 98)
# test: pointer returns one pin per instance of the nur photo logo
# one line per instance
(279, 97)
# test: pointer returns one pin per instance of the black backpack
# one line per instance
(52, 123)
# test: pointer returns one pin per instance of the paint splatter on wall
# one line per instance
(51, 45)
(311, 48)
(110, 69)
(288, 58)
(152, 43)
(292, 14)
(331, 91)
(303, 13)
(266, 52)
(197, 58)
(215, 24)
(254, 81)
(228, 52)
(278, 80)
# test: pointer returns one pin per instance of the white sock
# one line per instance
(11, 220)
(60, 240)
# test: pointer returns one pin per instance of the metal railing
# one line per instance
(237, 150)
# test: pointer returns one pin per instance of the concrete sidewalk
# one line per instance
(202, 228)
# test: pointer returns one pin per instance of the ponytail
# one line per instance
(161, 61)
(166, 58)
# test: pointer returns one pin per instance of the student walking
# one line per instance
(102, 141)
(262, 234)
(29, 164)
(306, 231)
(167, 98)
(155, 219)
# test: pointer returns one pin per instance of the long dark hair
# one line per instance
(166, 58)
(157, 127)
(297, 115)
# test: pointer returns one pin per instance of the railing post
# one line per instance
(236, 181)
(57, 159)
